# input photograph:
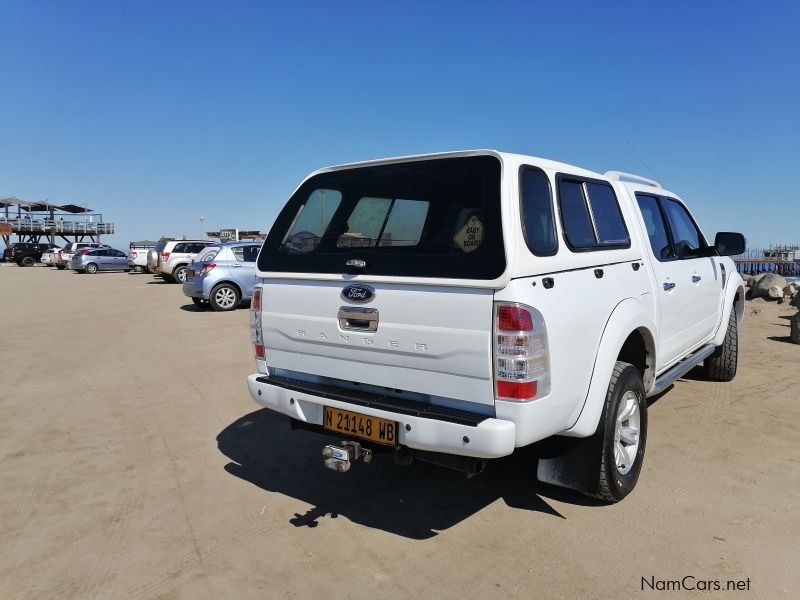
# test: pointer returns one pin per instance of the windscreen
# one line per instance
(433, 218)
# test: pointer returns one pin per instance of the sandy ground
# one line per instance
(134, 465)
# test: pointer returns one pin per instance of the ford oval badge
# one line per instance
(358, 294)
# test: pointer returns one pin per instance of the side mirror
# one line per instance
(727, 243)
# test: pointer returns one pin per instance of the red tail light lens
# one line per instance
(521, 353)
(165, 255)
(516, 390)
(256, 334)
(513, 318)
(207, 267)
(133, 253)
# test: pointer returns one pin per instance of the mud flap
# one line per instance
(572, 463)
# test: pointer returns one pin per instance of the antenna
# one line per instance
(638, 155)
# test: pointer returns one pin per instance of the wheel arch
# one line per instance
(629, 336)
(734, 300)
(226, 282)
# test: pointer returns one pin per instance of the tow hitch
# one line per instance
(339, 458)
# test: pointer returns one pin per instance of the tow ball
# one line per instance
(339, 458)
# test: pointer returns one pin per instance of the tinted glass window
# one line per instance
(251, 253)
(577, 224)
(431, 218)
(181, 247)
(686, 237)
(654, 224)
(118, 254)
(404, 223)
(537, 212)
(312, 219)
(607, 216)
(238, 252)
(208, 254)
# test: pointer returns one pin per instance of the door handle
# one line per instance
(696, 278)
(358, 319)
(668, 286)
(237, 265)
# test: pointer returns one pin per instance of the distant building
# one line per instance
(783, 253)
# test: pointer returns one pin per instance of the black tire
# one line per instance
(721, 365)
(179, 274)
(225, 297)
(200, 302)
(27, 261)
(61, 267)
(90, 269)
(167, 278)
(613, 484)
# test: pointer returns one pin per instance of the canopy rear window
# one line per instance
(432, 218)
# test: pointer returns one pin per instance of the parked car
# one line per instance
(223, 275)
(454, 307)
(137, 258)
(65, 255)
(92, 260)
(27, 254)
(49, 256)
(170, 258)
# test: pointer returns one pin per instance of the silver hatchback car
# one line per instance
(222, 275)
(92, 260)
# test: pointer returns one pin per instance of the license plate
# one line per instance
(374, 429)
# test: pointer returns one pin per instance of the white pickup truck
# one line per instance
(453, 307)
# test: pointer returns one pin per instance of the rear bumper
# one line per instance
(196, 288)
(489, 438)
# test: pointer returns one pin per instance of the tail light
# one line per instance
(521, 353)
(256, 335)
(206, 268)
(164, 255)
(133, 253)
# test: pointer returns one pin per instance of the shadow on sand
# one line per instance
(414, 502)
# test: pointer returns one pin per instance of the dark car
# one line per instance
(27, 254)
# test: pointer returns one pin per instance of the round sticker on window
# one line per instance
(470, 236)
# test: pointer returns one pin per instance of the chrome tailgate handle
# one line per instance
(358, 319)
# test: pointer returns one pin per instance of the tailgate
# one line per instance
(432, 340)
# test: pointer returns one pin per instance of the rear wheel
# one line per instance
(61, 267)
(91, 268)
(28, 261)
(179, 274)
(224, 297)
(624, 431)
(721, 365)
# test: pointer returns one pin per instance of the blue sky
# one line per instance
(158, 112)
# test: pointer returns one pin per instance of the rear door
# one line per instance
(369, 242)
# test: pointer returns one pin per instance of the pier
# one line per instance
(44, 222)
